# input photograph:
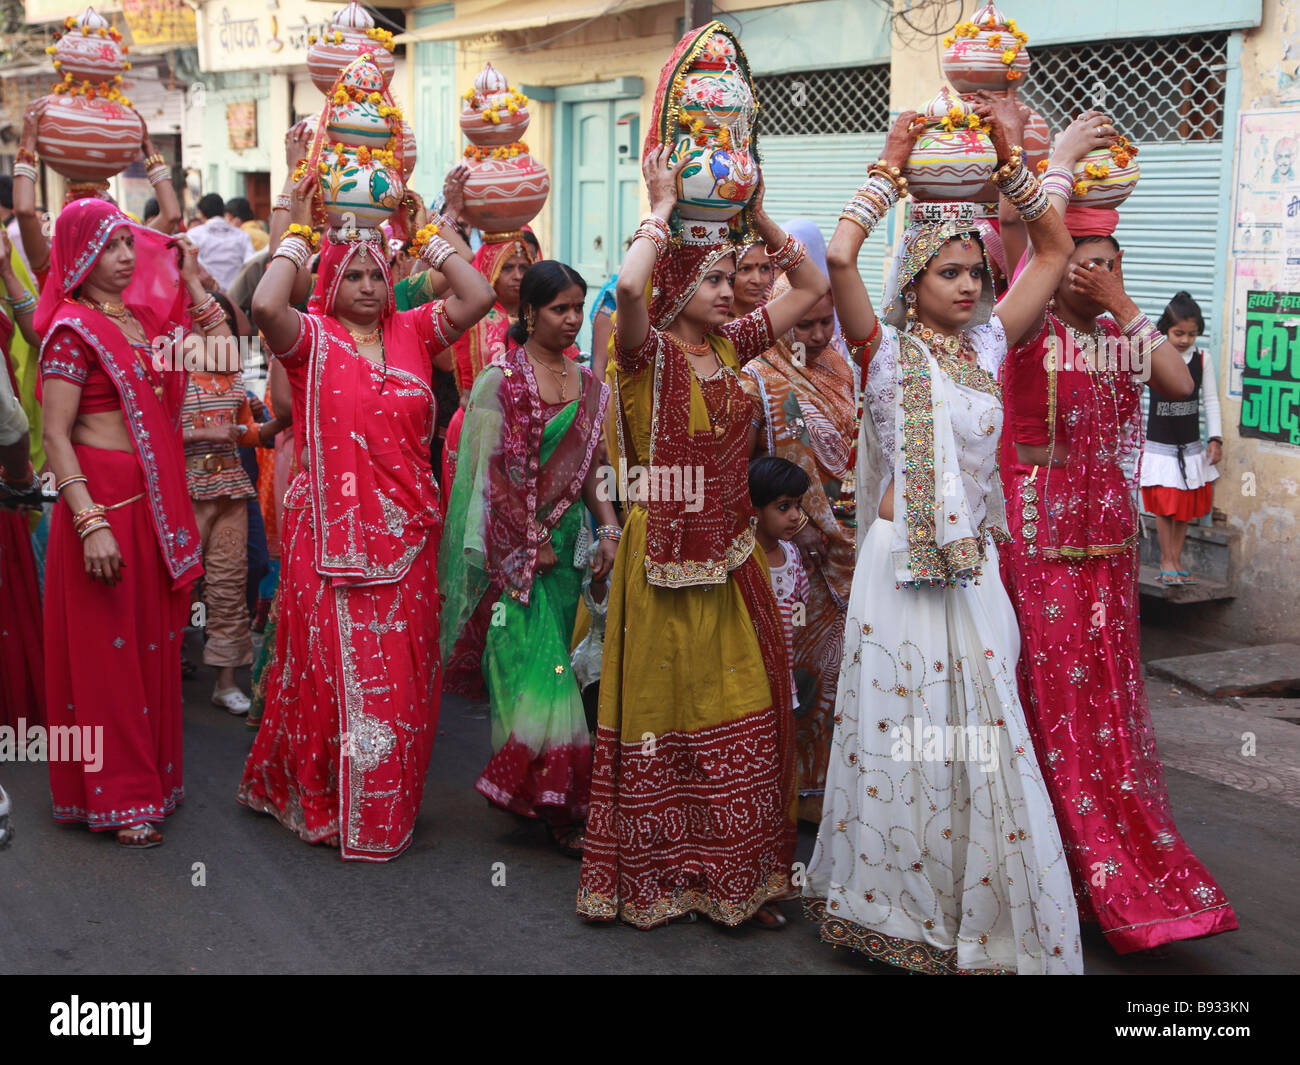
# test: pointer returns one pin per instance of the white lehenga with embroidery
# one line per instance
(938, 850)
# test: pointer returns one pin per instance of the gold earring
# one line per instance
(530, 319)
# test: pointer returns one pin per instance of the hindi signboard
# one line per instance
(160, 22)
(1270, 387)
(240, 36)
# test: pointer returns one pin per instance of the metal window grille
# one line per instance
(1157, 89)
(847, 100)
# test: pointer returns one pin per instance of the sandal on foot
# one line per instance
(231, 700)
(1187, 577)
(568, 838)
(139, 837)
(1169, 577)
(768, 918)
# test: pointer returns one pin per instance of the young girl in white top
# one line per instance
(1178, 471)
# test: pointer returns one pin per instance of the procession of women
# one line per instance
(858, 598)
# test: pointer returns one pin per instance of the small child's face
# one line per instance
(1183, 334)
(781, 517)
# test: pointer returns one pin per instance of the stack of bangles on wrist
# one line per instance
(656, 231)
(609, 532)
(456, 224)
(297, 245)
(25, 164)
(1058, 181)
(789, 255)
(207, 313)
(543, 536)
(874, 198)
(156, 169)
(23, 304)
(436, 251)
(74, 479)
(1018, 185)
(1141, 328)
(281, 203)
(90, 519)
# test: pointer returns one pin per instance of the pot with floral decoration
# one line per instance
(953, 158)
(986, 53)
(712, 110)
(87, 130)
(494, 112)
(506, 186)
(352, 33)
(1106, 176)
(361, 184)
(89, 49)
(87, 137)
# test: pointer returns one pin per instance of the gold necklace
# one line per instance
(691, 349)
(365, 338)
(938, 341)
(113, 310)
(560, 375)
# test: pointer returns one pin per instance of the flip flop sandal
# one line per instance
(1170, 578)
(1187, 577)
(142, 837)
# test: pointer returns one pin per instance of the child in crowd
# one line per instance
(776, 487)
(1178, 471)
(586, 656)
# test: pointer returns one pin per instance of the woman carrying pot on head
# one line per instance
(351, 707)
(930, 857)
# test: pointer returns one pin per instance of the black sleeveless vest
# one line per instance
(1177, 421)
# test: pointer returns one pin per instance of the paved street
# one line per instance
(76, 903)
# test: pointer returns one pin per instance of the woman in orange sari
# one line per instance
(804, 412)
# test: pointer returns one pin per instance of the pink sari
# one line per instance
(352, 698)
(130, 632)
(1071, 572)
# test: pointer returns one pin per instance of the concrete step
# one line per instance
(1202, 591)
(1273, 667)
(1278, 708)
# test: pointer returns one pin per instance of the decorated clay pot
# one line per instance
(1108, 176)
(951, 160)
(88, 140)
(356, 193)
(712, 159)
(491, 114)
(988, 52)
(89, 50)
(352, 33)
(504, 194)
(357, 124)
(713, 183)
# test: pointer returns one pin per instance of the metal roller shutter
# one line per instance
(812, 177)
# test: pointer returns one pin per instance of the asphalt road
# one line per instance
(74, 903)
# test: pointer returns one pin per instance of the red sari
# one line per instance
(1071, 571)
(112, 653)
(352, 699)
(22, 662)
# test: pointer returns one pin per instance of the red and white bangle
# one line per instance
(26, 170)
(790, 255)
(159, 174)
(609, 532)
(656, 231)
(207, 313)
